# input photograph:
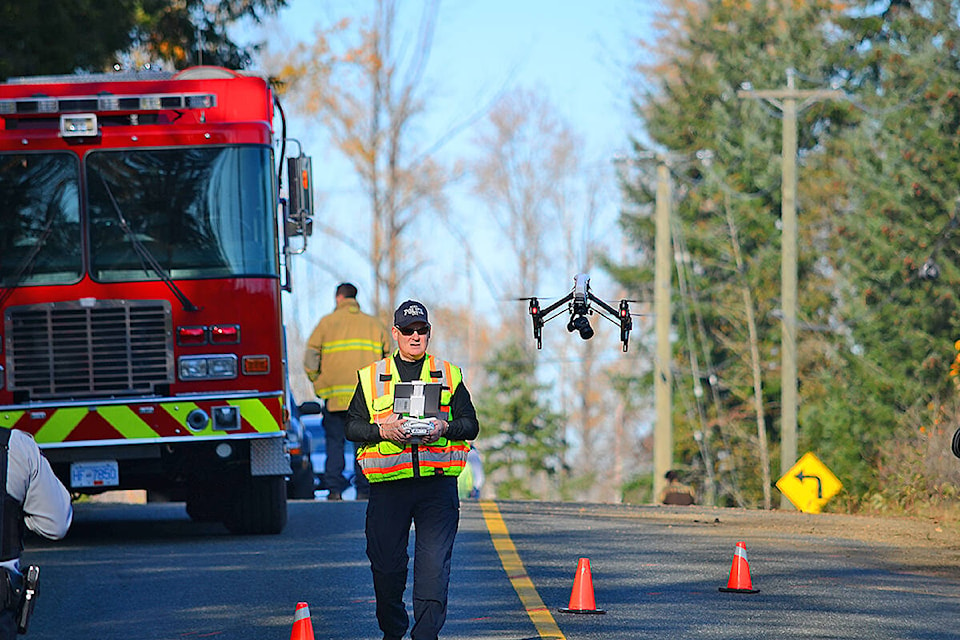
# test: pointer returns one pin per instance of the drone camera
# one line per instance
(581, 324)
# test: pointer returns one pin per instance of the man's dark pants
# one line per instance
(433, 506)
(333, 428)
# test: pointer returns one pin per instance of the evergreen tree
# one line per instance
(901, 63)
(523, 440)
(877, 199)
(731, 204)
(90, 35)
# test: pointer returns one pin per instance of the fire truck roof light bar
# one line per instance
(79, 125)
(38, 105)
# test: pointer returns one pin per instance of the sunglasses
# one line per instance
(409, 332)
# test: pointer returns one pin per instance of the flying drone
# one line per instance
(578, 304)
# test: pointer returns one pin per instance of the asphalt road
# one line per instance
(147, 572)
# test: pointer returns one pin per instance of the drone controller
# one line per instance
(417, 428)
(417, 401)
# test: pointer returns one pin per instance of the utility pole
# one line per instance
(662, 311)
(662, 385)
(788, 220)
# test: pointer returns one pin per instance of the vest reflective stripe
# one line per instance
(437, 456)
(386, 460)
(377, 383)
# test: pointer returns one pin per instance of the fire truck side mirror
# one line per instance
(300, 174)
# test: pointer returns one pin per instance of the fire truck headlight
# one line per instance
(222, 366)
(214, 367)
(193, 368)
(1, 376)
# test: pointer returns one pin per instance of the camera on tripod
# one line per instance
(415, 401)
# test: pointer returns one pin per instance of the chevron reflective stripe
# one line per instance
(9, 418)
(252, 411)
(179, 412)
(125, 421)
(61, 424)
(339, 346)
(142, 421)
(257, 414)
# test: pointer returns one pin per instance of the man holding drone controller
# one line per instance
(412, 468)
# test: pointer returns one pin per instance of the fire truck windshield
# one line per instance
(39, 219)
(201, 212)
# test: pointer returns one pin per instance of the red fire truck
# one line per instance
(143, 251)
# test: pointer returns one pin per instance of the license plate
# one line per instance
(102, 473)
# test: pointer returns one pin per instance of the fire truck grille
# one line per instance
(89, 348)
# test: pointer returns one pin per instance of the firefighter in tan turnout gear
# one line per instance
(342, 342)
(412, 480)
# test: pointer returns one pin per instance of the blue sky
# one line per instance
(574, 50)
(576, 53)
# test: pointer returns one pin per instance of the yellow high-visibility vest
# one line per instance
(386, 460)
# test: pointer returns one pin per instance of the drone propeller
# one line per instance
(526, 298)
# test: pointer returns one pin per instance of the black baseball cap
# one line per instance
(408, 313)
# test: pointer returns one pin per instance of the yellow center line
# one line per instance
(539, 614)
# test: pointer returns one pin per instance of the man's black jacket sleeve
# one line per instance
(358, 427)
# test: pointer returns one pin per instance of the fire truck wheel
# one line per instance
(260, 506)
(300, 485)
(205, 507)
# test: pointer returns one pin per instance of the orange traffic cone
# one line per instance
(739, 581)
(581, 597)
(302, 626)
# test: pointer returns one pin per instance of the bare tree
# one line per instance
(545, 201)
(755, 366)
(526, 153)
(364, 82)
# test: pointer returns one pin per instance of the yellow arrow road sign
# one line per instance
(809, 484)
